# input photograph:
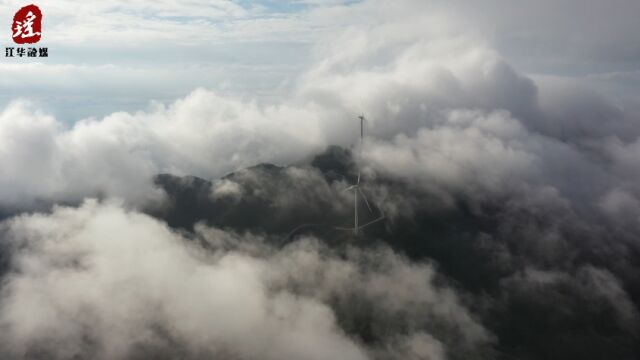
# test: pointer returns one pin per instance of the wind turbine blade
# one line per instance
(355, 210)
(350, 188)
(372, 222)
(343, 228)
(301, 227)
(366, 201)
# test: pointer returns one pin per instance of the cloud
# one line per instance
(512, 203)
(119, 56)
(104, 282)
(207, 134)
(527, 32)
(203, 134)
(443, 108)
(564, 304)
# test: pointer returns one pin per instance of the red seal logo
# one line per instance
(27, 25)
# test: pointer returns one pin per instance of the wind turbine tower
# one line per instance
(357, 188)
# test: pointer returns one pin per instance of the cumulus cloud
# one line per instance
(512, 200)
(415, 73)
(104, 282)
(208, 135)
(202, 134)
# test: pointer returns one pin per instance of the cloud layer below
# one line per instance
(99, 281)
(511, 194)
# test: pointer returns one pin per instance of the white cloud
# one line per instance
(103, 281)
(427, 86)
(203, 134)
(447, 113)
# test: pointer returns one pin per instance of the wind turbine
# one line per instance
(357, 194)
(357, 190)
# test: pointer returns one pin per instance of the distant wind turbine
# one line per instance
(357, 194)
(357, 190)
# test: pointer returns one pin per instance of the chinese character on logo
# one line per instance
(27, 25)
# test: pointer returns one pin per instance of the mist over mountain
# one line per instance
(532, 272)
(504, 159)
